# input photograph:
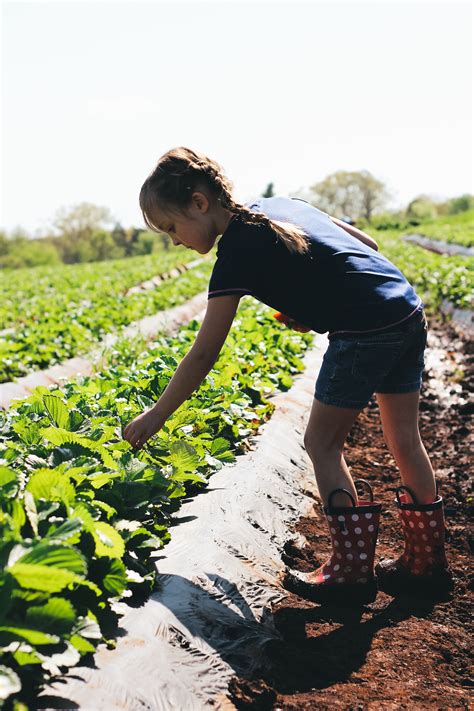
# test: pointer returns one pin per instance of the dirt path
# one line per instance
(402, 653)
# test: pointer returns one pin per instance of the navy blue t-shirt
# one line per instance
(340, 285)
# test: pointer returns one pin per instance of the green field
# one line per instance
(435, 276)
(455, 229)
(58, 313)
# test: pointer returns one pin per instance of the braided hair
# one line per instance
(181, 171)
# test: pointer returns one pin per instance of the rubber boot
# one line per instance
(422, 567)
(347, 578)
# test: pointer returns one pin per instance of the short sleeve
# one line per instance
(232, 274)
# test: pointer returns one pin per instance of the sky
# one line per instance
(93, 93)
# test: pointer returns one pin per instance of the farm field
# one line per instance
(436, 277)
(26, 293)
(454, 229)
(70, 311)
(81, 512)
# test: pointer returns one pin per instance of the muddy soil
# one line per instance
(396, 653)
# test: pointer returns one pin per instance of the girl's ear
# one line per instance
(200, 201)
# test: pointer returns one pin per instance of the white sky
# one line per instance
(94, 92)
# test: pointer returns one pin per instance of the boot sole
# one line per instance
(340, 595)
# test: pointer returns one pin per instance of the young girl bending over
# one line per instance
(327, 276)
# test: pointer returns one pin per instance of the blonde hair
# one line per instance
(181, 171)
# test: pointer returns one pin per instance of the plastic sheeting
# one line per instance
(209, 619)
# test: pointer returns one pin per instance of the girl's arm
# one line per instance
(362, 236)
(191, 371)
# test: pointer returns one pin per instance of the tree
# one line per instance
(104, 247)
(75, 226)
(269, 192)
(350, 193)
(461, 204)
(82, 220)
(422, 208)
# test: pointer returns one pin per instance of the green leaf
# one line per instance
(51, 485)
(106, 457)
(8, 482)
(31, 511)
(83, 514)
(6, 589)
(57, 410)
(66, 530)
(76, 418)
(43, 577)
(57, 616)
(220, 449)
(12, 633)
(28, 431)
(102, 478)
(9, 682)
(183, 456)
(286, 380)
(108, 541)
(23, 657)
(113, 575)
(55, 555)
(18, 515)
(106, 508)
(81, 644)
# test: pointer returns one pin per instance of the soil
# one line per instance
(396, 653)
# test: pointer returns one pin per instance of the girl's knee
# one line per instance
(319, 448)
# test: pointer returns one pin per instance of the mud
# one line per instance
(396, 653)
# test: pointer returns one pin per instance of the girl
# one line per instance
(328, 276)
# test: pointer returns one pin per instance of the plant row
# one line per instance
(455, 229)
(33, 294)
(70, 328)
(82, 512)
(436, 277)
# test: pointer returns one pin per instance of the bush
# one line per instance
(29, 253)
(461, 204)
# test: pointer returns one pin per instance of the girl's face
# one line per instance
(196, 229)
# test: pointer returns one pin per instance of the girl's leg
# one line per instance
(423, 566)
(347, 576)
(399, 414)
(324, 439)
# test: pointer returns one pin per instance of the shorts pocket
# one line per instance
(372, 361)
(341, 359)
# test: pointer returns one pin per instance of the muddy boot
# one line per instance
(347, 578)
(422, 568)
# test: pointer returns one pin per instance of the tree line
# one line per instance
(89, 233)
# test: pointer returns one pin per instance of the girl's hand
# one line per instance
(139, 430)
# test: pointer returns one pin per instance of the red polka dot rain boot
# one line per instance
(422, 567)
(347, 578)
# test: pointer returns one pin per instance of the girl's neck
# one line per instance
(222, 219)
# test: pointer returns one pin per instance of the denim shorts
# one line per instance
(388, 361)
